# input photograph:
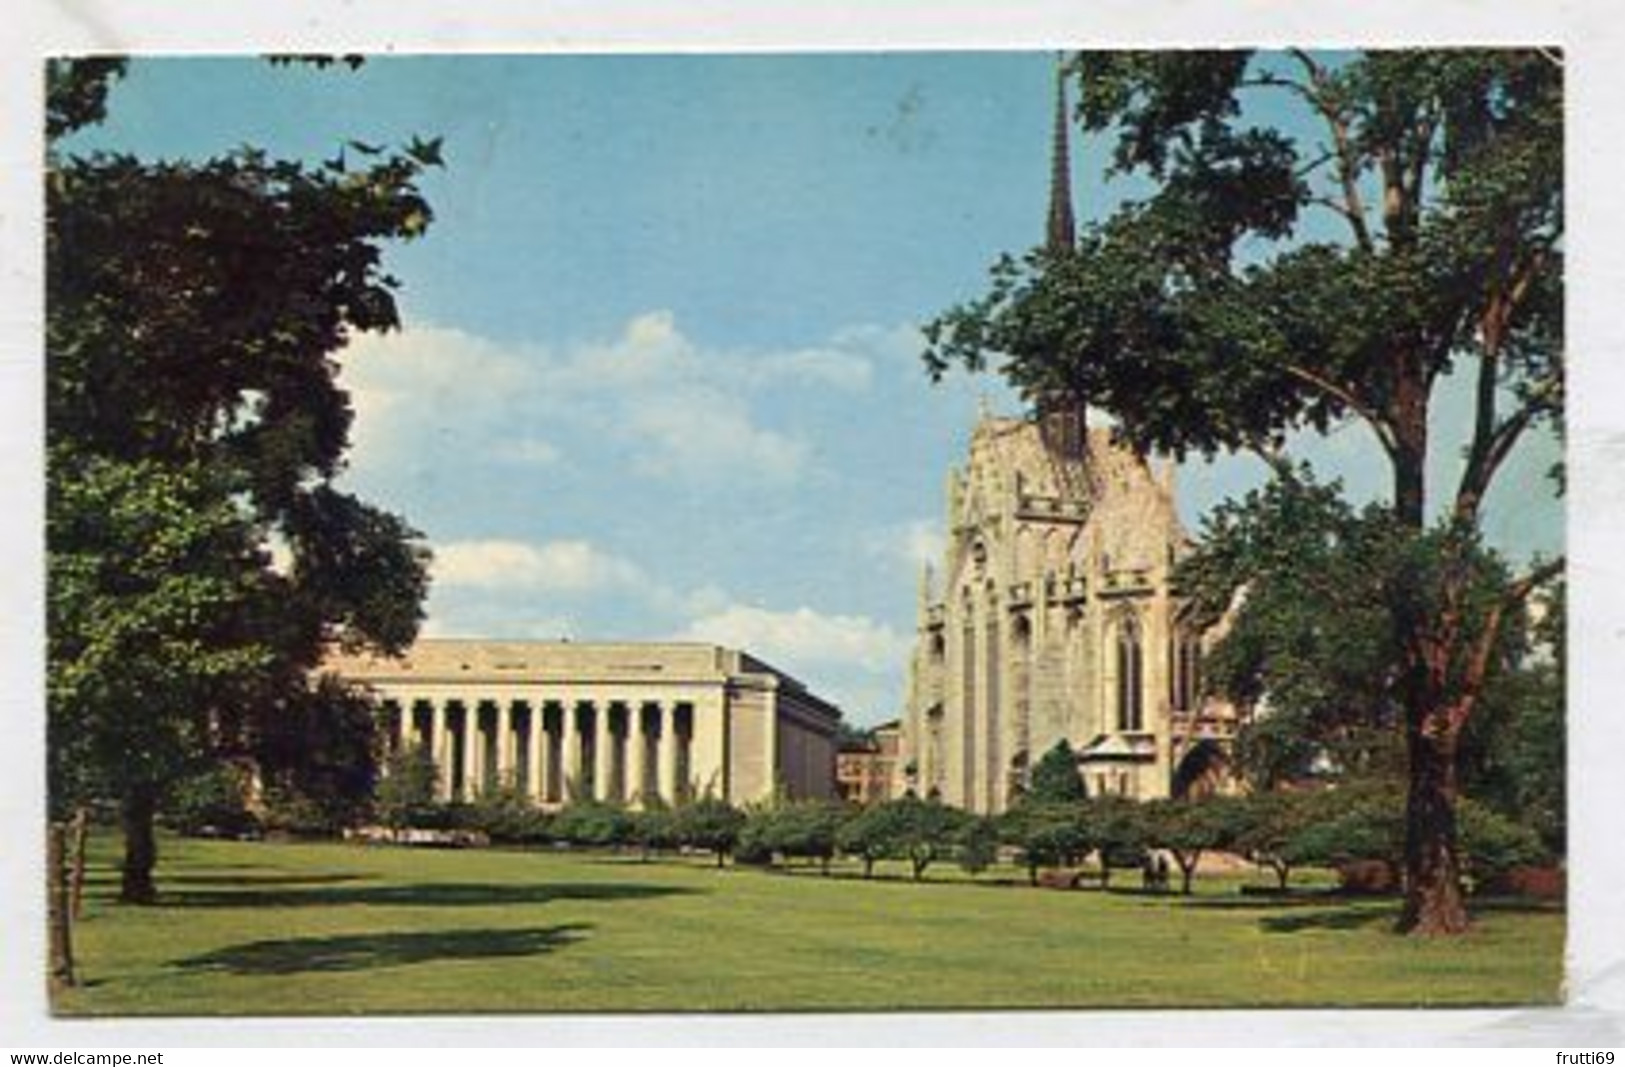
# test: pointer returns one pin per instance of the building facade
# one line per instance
(612, 722)
(1054, 616)
(866, 770)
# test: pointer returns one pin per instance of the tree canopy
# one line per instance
(202, 557)
(1055, 777)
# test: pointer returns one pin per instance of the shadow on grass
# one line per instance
(427, 895)
(360, 952)
(1344, 918)
(1295, 898)
(255, 880)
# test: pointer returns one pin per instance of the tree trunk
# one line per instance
(1409, 424)
(1186, 871)
(58, 925)
(140, 846)
(1434, 902)
(81, 841)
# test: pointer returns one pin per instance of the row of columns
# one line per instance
(553, 751)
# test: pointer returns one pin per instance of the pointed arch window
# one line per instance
(1130, 675)
(1186, 673)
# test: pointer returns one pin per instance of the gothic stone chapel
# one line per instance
(1054, 614)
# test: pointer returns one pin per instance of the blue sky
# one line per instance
(659, 375)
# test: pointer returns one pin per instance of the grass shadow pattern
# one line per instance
(427, 894)
(360, 952)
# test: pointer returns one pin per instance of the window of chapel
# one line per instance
(1130, 674)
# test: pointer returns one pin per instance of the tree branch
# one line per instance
(1346, 397)
(1348, 169)
(1492, 443)
(1479, 660)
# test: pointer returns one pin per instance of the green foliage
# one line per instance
(653, 828)
(977, 844)
(76, 92)
(317, 751)
(1348, 824)
(1493, 843)
(804, 829)
(1264, 825)
(507, 816)
(919, 831)
(867, 836)
(592, 824)
(1118, 828)
(1318, 627)
(1513, 751)
(406, 791)
(155, 590)
(1156, 318)
(289, 812)
(1188, 828)
(1047, 835)
(211, 803)
(1055, 777)
(194, 423)
(711, 824)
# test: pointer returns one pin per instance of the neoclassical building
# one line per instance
(614, 722)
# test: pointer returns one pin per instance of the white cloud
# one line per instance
(568, 566)
(794, 639)
(832, 367)
(530, 451)
(673, 407)
(911, 544)
(451, 623)
(706, 435)
(428, 386)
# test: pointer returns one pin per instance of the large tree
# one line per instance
(201, 557)
(1218, 313)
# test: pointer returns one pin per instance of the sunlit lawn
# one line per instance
(249, 928)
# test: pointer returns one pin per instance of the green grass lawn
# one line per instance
(262, 928)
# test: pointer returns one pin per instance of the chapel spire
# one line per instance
(1062, 418)
(1061, 235)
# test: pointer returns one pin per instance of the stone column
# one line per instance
(440, 748)
(604, 751)
(666, 759)
(637, 751)
(403, 727)
(533, 755)
(554, 742)
(471, 746)
(573, 750)
(507, 772)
